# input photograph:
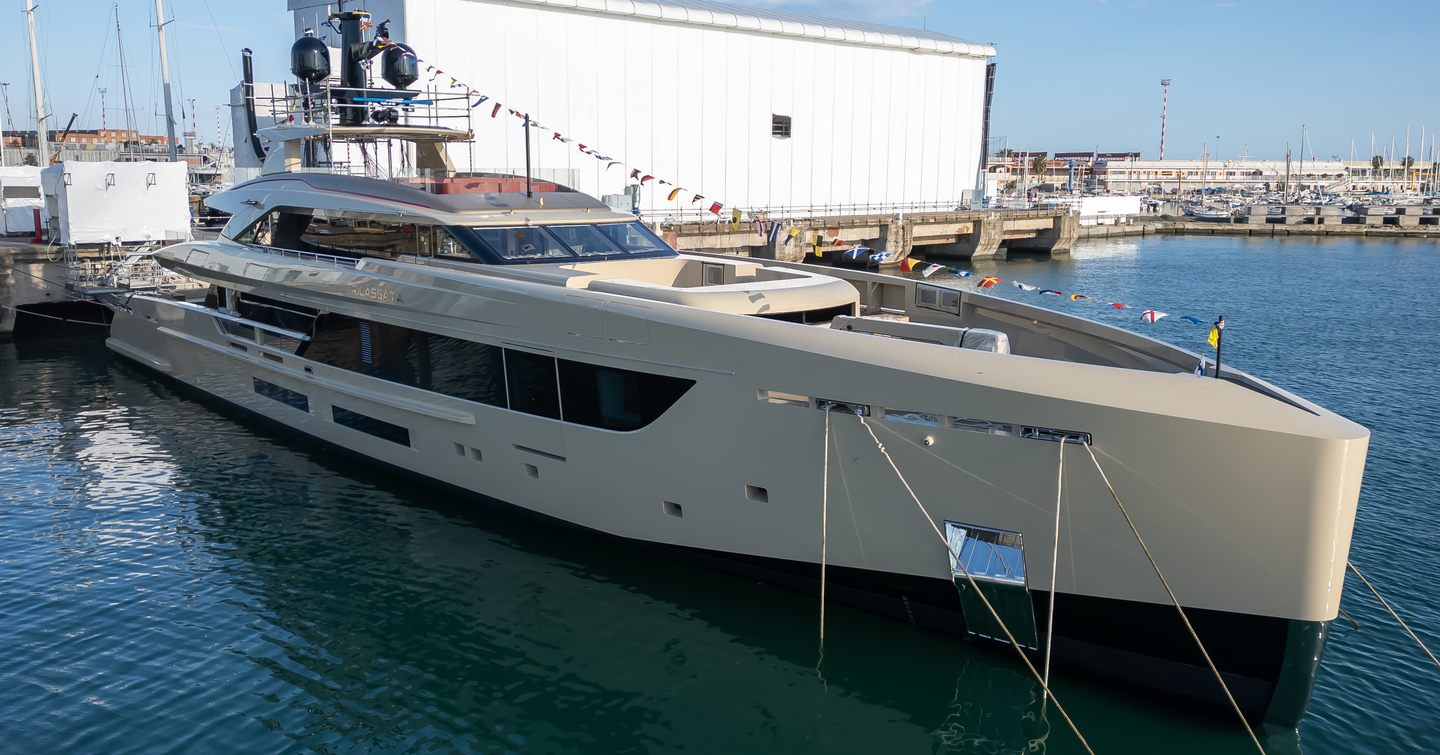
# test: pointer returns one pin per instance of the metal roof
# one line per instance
(771, 21)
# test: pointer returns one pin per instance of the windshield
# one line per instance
(558, 243)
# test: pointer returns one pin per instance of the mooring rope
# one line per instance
(1173, 599)
(824, 531)
(1393, 615)
(993, 613)
(1054, 566)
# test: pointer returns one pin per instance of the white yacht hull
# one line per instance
(1247, 501)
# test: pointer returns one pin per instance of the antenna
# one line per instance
(1164, 104)
(528, 193)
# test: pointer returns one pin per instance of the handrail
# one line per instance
(331, 259)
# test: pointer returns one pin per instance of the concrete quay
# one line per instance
(956, 235)
(1196, 228)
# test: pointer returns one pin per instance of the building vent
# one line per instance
(780, 126)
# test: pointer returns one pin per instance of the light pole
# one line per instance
(5, 87)
(1164, 105)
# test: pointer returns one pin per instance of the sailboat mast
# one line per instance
(42, 138)
(165, 80)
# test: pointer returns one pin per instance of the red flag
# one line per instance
(989, 281)
(1118, 305)
(647, 177)
(908, 264)
(715, 207)
(496, 110)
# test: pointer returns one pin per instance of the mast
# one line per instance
(165, 80)
(42, 139)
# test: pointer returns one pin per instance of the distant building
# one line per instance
(1125, 172)
(109, 138)
(757, 109)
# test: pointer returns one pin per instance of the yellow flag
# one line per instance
(1214, 338)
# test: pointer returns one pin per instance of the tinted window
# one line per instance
(585, 240)
(521, 243)
(633, 237)
(370, 426)
(616, 399)
(283, 395)
(531, 380)
(372, 238)
(276, 313)
(452, 366)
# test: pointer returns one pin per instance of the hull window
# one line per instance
(615, 399)
(283, 395)
(592, 395)
(531, 382)
(370, 426)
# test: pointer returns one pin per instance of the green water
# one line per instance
(172, 580)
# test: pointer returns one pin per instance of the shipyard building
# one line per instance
(752, 109)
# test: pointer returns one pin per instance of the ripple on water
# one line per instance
(174, 580)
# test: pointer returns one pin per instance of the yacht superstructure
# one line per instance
(546, 352)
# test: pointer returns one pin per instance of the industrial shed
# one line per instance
(753, 109)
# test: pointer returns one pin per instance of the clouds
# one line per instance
(875, 10)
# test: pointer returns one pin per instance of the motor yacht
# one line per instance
(914, 443)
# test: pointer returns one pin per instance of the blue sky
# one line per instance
(1073, 74)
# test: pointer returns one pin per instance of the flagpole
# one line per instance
(528, 193)
(1219, 342)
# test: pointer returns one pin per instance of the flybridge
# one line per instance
(320, 112)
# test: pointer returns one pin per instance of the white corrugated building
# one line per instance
(757, 109)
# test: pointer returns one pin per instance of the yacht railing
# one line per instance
(324, 105)
(324, 259)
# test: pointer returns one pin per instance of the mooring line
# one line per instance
(824, 540)
(1173, 599)
(1393, 615)
(993, 613)
(1054, 567)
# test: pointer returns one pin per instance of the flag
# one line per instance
(961, 273)
(854, 253)
(790, 236)
(1025, 286)
(880, 257)
(1214, 339)
(1200, 368)
(1051, 292)
(673, 193)
(774, 231)
(1078, 297)
(646, 177)
(696, 198)
(932, 269)
(1193, 320)
(1153, 316)
(633, 174)
(1119, 305)
(612, 164)
(480, 101)
(496, 110)
(908, 264)
(734, 220)
(715, 207)
(988, 281)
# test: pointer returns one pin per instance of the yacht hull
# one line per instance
(731, 476)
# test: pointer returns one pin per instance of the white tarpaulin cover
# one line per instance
(20, 197)
(111, 202)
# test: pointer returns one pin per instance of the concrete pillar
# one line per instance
(1057, 241)
(7, 292)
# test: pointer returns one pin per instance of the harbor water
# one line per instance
(175, 580)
